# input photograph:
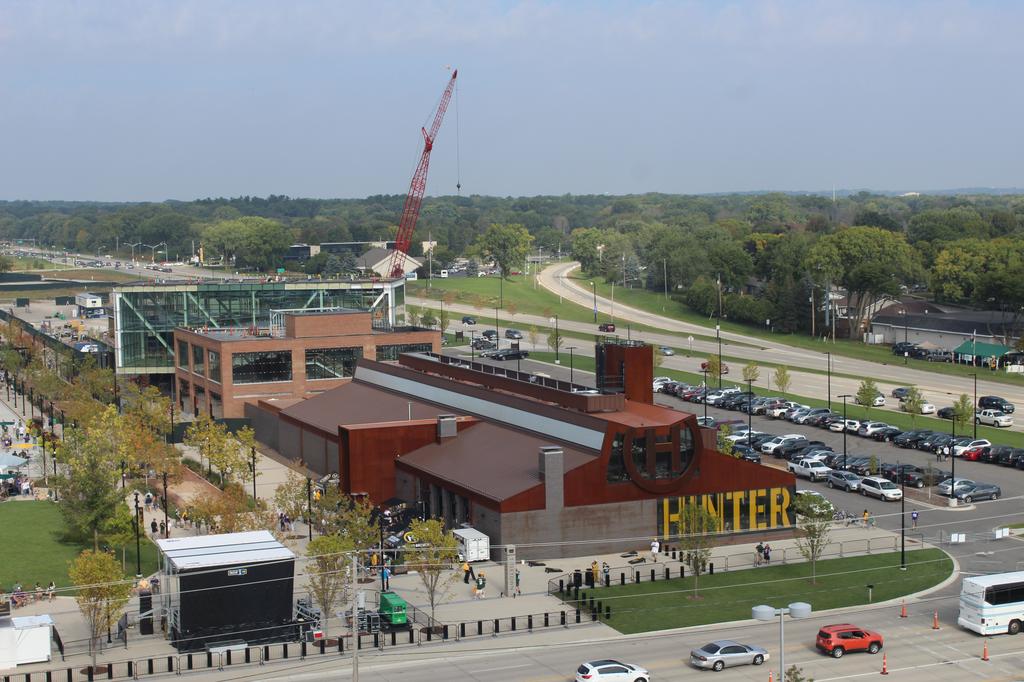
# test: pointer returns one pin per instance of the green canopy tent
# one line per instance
(971, 351)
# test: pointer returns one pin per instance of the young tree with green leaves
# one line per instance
(555, 340)
(782, 379)
(751, 372)
(291, 496)
(963, 412)
(698, 530)
(714, 368)
(87, 485)
(327, 573)
(433, 561)
(814, 518)
(866, 393)
(911, 404)
(101, 593)
(533, 336)
(723, 444)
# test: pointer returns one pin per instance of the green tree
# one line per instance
(100, 592)
(507, 245)
(814, 518)
(533, 336)
(796, 674)
(119, 530)
(751, 372)
(249, 242)
(291, 497)
(698, 530)
(714, 368)
(555, 340)
(723, 444)
(327, 574)
(869, 263)
(963, 413)
(866, 393)
(87, 485)
(432, 557)
(911, 403)
(6, 263)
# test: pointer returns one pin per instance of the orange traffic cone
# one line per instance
(769, 676)
(984, 651)
(903, 609)
(935, 621)
(885, 670)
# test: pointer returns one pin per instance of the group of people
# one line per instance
(763, 554)
(18, 432)
(20, 597)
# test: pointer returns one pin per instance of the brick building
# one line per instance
(526, 459)
(301, 354)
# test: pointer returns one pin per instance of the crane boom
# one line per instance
(413, 201)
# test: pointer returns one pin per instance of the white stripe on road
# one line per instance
(491, 670)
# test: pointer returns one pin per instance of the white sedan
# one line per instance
(607, 670)
(926, 408)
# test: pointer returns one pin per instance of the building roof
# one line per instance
(986, 322)
(494, 461)
(225, 549)
(358, 403)
(376, 256)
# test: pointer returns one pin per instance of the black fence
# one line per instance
(333, 645)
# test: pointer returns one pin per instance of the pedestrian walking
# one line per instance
(518, 591)
(385, 575)
(153, 527)
(913, 518)
(655, 548)
(759, 554)
(767, 554)
(163, 529)
(866, 516)
(607, 571)
(149, 501)
(466, 568)
(481, 585)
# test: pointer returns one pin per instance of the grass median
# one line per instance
(723, 597)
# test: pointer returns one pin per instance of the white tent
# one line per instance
(27, 639)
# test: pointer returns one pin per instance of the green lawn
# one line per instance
(728, 596)
(33, 551)
(654, 302)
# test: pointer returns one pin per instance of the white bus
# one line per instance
(993, 604)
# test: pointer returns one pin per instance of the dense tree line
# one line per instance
(758, 257)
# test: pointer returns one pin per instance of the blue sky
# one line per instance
(124, 100)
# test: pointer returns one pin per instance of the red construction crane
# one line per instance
(411, 210)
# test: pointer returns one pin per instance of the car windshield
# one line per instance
(888, 486)
(710, 648)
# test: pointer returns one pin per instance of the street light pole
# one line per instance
(705, 401)
(903, 517)
(557, 339)
(309, 505)
(828, 371)
(718, 333)
(975, 375)
(749, 411)
(768, 613)
(253, 455)
(138, 549)
(844, 397)
(570, 349)
(167, 522)
(594, 287)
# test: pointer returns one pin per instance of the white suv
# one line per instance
(993, 418)
(879, 487)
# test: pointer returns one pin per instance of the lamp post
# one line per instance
(594, 287)
(828, 372)
(975, 375)
(952, 464)
(252, 455)
(750, 398)
(555, 320)
(123, 477)
(472, 345)
(497, 330)
(167, 523)
(570, 349)
(797, 609)
(844, 397)
(718, 333)
(903, 517)
(705, 401)
(138, 549)
(309, 505)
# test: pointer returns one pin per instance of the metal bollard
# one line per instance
(462, 630)
(149, 666)
(561, 587)
(188, 662)
(711, 569)
(444, 633)
(682, 571)
(652, 575)
(394, 637)
(430, 633)
(302, 651)
(209, 659)
(607, 612)
(284, 650)
(545, 619)
(513, 623)
(607, 580)
(323, 648)
(479, 627)
(577, 615)
(376, 639)
(497, 627)
(673, 555)
(529, 623)
(668, 573)
(622, 578)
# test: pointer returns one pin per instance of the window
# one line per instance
(331, 363)
(213, 361)
(391, 352)
(183, 354)
(261, 367)
(198, 353)
(185, 396)
(616, 467)
(1009, 593)
(201, 401)
(216, 406)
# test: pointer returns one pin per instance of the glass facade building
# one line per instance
(331, 363)
(145, 315)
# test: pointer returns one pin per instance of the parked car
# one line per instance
(769, 447)
(660, 382)
(961, 484)
(993, 418)
(606, 327)
(724, 653)
(927, 477)
(665, 350)
(837, 640)
(939, 355)
(886, 435)
(510, 354)
(979, 491)
(1012, 458)
(946, 413)
(513, 334)
(926, 407)
(489, 334)
(868, 429)
(610, 670)
(707, 422)
(994, 402)
(725, 367)
(902, 347)
(746, 452)
(993, 453)
(909, 439)
(844, 480)
(483, 344)
(794, 450)
(897, 472)
(901, 392)
(815, 413)
(813, 469)
(971, 443)
(882, 488)
(468, 319)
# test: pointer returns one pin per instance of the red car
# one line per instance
(606, 327)
(836, 640)
(973, 455)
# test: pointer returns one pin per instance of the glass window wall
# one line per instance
(183, 354)
(331, 363)
(213, 358)
(391, 352)
(198, 356)
(261, 367)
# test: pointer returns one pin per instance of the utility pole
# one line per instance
(355, 617)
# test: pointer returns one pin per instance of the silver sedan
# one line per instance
(724, 652)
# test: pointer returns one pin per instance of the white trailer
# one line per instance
(473, 545)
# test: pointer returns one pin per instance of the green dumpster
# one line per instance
(392, 609)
